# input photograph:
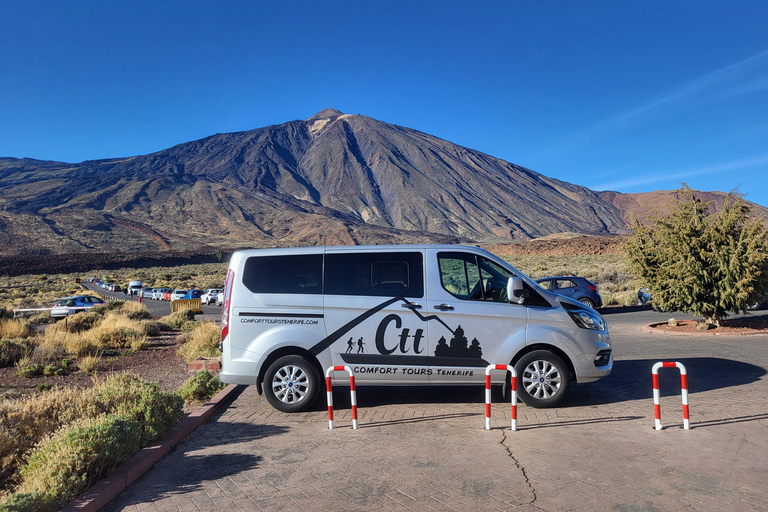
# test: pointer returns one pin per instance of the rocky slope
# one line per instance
(330, 179)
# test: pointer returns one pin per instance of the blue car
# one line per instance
(579, 288)
(193, 294)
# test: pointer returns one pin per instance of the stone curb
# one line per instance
(654, 328)
(105, 490)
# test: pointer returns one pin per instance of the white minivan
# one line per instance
(401, 315)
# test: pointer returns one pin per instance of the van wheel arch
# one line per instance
(562, 355)
(286, 351)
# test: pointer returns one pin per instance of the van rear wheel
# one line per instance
(542, 379)
(291, 384)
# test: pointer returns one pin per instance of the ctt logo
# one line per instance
(403, 346)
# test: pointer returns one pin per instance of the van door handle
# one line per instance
(411, 305)
(444, 307)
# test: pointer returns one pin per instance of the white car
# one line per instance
(220, 298)
(71, 305)
(178, 294)
(209, 297)
(158, 293)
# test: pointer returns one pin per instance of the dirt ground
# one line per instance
(736, 326)
(159, 364)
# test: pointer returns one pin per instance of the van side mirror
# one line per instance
(515, 289)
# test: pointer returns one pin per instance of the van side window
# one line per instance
(301, 273)
(459, 275)
(398, 274)
(471, 277)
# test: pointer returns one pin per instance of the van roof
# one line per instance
(357, 248)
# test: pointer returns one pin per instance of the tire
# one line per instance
(291, 384)
(542, 379)
(587, 302)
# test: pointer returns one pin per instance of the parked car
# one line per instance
(193, 294)
(220, 298)
(579, 288)
(167, 295)
(146, 293)
(74, 304)
(643, 297)
(158, 293)
(178, 294)
(209, 297)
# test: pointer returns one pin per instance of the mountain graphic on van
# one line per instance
(459, 346)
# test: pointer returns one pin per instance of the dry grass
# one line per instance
(87, 364)
(14, 328)
(202, 341)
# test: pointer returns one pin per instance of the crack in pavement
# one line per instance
(521, 468)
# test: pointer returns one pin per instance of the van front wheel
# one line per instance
(291, 384)
(542, 379)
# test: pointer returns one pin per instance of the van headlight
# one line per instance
(587, 319)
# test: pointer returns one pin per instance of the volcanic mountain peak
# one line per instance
(331, 179)
(322, 119)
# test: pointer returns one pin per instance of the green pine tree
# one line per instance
(702, 263)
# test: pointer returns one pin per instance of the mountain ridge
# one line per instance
(332, 179)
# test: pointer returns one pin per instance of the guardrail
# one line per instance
(181, 304)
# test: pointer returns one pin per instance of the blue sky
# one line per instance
(627, 96)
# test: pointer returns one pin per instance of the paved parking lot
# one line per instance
(426, 449)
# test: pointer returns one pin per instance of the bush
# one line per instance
(73, 459)
(152, 328)
(14, 328)
(87, 364)
(78, 322)
(25, 424)
(30, 370)
(702, 263)
(12, 351)
(201, 387)
(202, 341)
(177, 319)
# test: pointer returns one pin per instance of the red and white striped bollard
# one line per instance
(352, 392)
(684, 392)
(488, 393)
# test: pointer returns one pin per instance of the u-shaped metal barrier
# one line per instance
(352, 391)
(488, 370)
(683, 386)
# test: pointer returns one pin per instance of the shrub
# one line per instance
(75, 458)
(4, 313)
(177, 319)
(12, 351)
(78, 322)
(138, 344)
(142, 401)
(152, 328)
(202, 341)
(87, 364)
(30, 370)
(25, 424)
(14, 328)
(200, 387)
(135, 311)
(702, 263)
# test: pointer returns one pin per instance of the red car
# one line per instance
(167, 295)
